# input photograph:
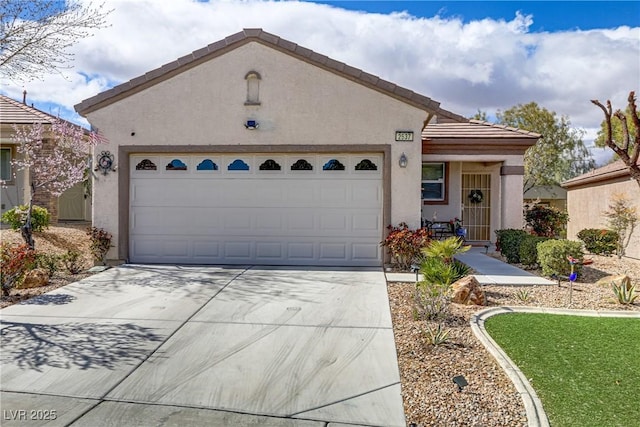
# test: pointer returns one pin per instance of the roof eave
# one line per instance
(256, 35)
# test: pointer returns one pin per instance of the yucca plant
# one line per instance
(625, 293)
(523, 295)
(438, 335)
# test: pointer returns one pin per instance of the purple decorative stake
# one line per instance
(572, 277)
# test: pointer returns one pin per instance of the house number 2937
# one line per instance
(403, 135)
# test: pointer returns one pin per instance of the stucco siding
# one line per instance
(587, 204)
(300, 105)
(506, 191)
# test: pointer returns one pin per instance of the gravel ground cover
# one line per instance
(430, 396)
(54, 240)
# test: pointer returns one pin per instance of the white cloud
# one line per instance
(488, 64)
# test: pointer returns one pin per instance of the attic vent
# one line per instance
(253, 88)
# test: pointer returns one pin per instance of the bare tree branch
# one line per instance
(631, 160)
(35, 35)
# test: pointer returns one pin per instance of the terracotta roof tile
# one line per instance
(475, 129)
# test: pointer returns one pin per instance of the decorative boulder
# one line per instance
(468, 291)
(35, 278)
(618, 279)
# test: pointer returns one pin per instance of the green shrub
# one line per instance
(49, 262)
(71, 261)
(529, 249)
(432, 301)
(445, 249)
(17, 216)
(553, 253)
(436, 270)
(599, 241)
(547, 221)
(508, 243)
(405, 245)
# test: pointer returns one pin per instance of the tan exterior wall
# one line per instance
(587, 204)
(506, 191)
(300, 105)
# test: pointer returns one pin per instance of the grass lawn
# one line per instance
(586, 370)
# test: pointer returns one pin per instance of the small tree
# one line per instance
(56, 157)
(546, 221)
(622, 219)
(35, 35)
(629, 148)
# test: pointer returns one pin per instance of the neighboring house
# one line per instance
(548, 195)
(257, 150)
(589, 196)
(71, 205)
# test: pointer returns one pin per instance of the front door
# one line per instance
(476, 201)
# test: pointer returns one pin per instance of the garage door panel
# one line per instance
(365, 251)
(333, 251)
(270, 217)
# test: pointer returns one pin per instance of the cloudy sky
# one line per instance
(469, 56)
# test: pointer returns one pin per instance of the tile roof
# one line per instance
(15, 112)
(476, 129)
(258, 35)
(613, 170)
(552, 192)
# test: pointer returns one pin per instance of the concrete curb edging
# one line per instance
(536, 415)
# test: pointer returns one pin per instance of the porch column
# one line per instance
(512, 180)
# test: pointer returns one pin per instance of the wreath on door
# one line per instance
(476, 196)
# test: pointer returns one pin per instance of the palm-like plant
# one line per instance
(445, 249)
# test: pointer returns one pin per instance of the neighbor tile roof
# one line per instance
(613, 170)
(15, 112)
(475, 129)
(258, 35)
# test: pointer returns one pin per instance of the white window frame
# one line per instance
(442, 181)
(9, 180)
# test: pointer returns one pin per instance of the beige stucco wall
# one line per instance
(586, 206)
(301, 104)
(506, 191)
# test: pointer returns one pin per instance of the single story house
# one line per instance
(255, 150)
(74, 204)
(589, 196)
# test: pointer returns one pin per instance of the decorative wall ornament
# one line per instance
(104, 163)
(270, 165)
(476, 196)
(207, 165)
(176, 165)
(366, 165)
(301, 165)
(333, 165)
(146, 165)
(238, 165)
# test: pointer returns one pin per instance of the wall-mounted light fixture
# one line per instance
(251, 124)
(403, 160)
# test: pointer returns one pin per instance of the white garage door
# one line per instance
(288, 209)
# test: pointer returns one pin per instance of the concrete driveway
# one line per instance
(183, 346)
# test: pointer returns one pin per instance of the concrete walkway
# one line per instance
(489, 271)
(187, 346)
(536, 415)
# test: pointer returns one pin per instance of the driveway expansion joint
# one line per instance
(536, 415)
